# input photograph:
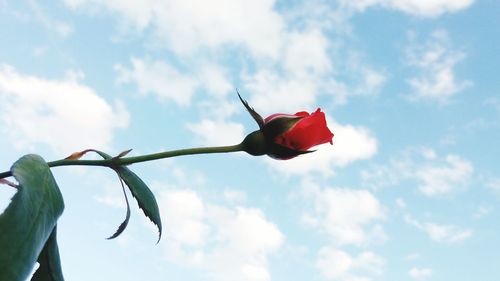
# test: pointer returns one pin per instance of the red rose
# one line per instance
(284, 136)
(310, 130)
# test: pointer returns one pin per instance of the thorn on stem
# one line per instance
(9, 183)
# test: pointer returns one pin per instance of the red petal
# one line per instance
(302, 114)
(308, 132)
(276, 115)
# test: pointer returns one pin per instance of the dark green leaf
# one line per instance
(141, 192)
(29, 219)
(143, 195)
(50, 263)
(124, 224)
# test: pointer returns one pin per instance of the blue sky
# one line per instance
(408, 191)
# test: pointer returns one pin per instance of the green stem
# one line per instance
(142, 158)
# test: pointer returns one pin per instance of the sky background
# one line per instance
(409, 190)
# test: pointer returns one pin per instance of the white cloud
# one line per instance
(400, 203)
(272, 92)
(420, 273)
(434, 175)
(493, 102)
(443, 233)
(336, 264)
(168, 82)
(413, 256)
(188, 26)
(185, 213)
(347, 216)
(444, 179)
(371, 82)
(482, 211)
(220, 109)
(228, 243)
(350, 144)
(34, 13)
(366, 82)
(333, 263)
(294, 83)
(64, 115)
(217, 133)
(62, 28)
(280, 78)
(306, 53)
(160, 79)
(235, 196)
(493, 184)
(214, 128)
(436, 61)
(112, 200)
(214, 78)
(429, 8)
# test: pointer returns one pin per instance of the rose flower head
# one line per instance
(285, 136)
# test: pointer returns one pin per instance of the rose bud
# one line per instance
(285, 136)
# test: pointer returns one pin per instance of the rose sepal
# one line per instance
(257, 144)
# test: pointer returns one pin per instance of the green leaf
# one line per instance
(143, 195)
(141, 192)
(124, 224)
(30, 218)
(50, 263)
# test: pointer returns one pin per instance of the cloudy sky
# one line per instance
(408, 191)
